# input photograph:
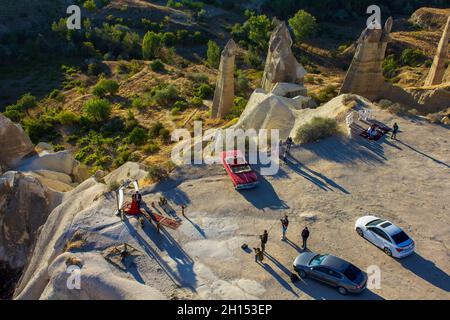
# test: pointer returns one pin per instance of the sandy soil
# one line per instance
(326, 186)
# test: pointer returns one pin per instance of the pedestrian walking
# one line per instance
(264, 237)
(284, 226)
(305, 235)
(259, 255)
(394, 131)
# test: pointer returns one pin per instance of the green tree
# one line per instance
(105, 86)
(213, 54)
(304, 25)
(90, 5)
(151, 45)
(138, 136)
(97, 110)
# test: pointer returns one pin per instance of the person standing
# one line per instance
(394, 131)
(284, 226)
(259, 255)
(138, 198)
(182, 209)
(264, 238)
(305, 235)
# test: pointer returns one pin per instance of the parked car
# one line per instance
(331, 270)
(385, 235)
(240, 172)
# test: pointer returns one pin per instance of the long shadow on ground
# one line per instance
(427, 270)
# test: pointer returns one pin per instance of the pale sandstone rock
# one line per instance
(437, 70)
(365, 77)
(25, 204)
(224, 92)
(14, 141)
(281, 65)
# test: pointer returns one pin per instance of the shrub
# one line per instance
(238, 107)
(304, 25)
(390, 66)
(122, 158)
(97, 109)
(27, 101)
(150, 148)
(138, 136)
(14, 112)
(104, 87)
(412, 57)
(113, 185)
(157, 65)
(66, 117)
(155, 128)
(156, 173)
(151, 45)
(318, 128)
(213, 54)
(175, 111)
(56, 95)
(165, 95)
(137, 103)
(326, 94)
(204, 91)
(252, 58)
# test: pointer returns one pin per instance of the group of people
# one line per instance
(373, 131)
(259, 252)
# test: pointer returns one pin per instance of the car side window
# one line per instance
(334, 274)
(380, 233)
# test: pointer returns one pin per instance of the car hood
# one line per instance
(304, 258)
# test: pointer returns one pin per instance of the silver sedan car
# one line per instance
(331, 270)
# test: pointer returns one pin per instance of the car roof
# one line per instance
(335, 263)
(389, 227)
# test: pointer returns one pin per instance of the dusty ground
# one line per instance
(326, 186)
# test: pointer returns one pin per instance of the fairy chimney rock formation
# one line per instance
(365, 75)
(437, 70)
(224, 92)
(281, 65)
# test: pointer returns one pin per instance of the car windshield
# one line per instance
(241, 168)
(400, 237)
(375, 222)
(352, 272)
(317, 260)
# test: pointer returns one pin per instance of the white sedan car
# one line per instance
(385, 235)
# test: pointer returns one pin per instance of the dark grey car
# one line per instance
(331, 270)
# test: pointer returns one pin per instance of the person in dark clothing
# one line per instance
(394, 131)
(138, 198)
(264, 237)
(259, 255)
(305, 235)
(284, 226)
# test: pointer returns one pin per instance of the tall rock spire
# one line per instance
(437, 70)
(224, 92)
(281, 65)
(365, 75)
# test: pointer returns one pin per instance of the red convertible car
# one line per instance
(239, 170)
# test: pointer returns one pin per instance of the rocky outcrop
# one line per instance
(437, 70)
(62, 162)
(430, 18)
(433, 99)
(14, 142)
(25, 204)
(365, 76)
(76, 233)
(224, 92)
(281, 65)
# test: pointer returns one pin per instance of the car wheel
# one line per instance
(342, 291)
(360, 232)
(388, 252)
(302, 274)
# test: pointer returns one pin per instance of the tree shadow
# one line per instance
(424, 154)
(427, 270)
(264, 196)
(315, 177)
(343, 150)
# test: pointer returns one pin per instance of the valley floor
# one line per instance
(325, 186)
